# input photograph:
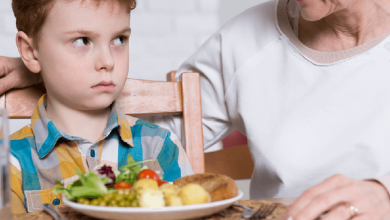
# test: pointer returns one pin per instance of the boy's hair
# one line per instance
(31, 14)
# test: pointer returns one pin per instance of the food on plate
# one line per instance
(193, 193)
(219, 186)
(170, 195)
(148, 174)
(120, 198)
(122, 185)
(173, 201)
(161, 182)
(136, 186)
(152, 198)
(142, 185)
(89, 185)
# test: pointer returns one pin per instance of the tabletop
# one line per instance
(232, 213)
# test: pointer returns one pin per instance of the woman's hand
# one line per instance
(345, 198)
(14, 74)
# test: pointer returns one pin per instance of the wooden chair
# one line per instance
(234, 161)
(139, 97)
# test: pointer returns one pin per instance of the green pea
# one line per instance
(112, 203)
(108, 196)
(94, 202)
(134, 203)
(119, 197)
(128, 204)
(102, 203)
(86, 202)
(126, 192)
(131, 196)
(81, 200)
(122, 203)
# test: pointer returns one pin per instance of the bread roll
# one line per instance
(219, 186)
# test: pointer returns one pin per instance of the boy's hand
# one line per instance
(14, 74)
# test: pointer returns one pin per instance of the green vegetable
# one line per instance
(89, 185)
(130, 171)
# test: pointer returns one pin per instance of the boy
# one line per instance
(77, 124)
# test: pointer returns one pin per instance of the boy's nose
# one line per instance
(105, 60)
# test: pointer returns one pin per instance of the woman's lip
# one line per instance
(104, 88)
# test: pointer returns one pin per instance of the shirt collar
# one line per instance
(47, 134)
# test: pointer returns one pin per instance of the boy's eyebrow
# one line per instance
(94, 34)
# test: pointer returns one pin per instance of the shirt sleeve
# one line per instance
(17, 196)
(214, 80)
(17, 205)
(173, 159)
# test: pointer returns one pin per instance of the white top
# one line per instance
(307, 114)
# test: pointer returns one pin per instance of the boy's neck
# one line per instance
(79, 123)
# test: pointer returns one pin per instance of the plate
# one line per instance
(137, 213)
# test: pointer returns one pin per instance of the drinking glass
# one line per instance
(5, 203)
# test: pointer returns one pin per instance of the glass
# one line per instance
(5, 203)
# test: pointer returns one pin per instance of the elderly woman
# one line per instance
(307, 81)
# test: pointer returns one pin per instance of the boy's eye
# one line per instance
(81, 42)
(119, 41)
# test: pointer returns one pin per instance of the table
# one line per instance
(231, 213)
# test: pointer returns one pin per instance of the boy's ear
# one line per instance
(27, 52)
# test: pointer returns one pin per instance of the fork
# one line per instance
(248, 212)
(264, 211)
(52, 211)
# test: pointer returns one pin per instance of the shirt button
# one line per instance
(56, 201)
(92, 153)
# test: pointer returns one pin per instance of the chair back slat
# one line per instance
(140, 97)
(20, 103)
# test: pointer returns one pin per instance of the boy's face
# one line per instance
(84, 53)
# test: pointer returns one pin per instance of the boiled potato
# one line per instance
(140, 186)
(168, 187)
(173, 200)
(193, 193)
(152, 198)
(170, 197)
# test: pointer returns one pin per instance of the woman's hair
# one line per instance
(31, 14)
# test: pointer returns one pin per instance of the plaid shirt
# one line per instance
(42, 153)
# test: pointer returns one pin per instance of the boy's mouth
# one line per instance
(105, 86)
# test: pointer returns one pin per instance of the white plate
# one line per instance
(171, 213)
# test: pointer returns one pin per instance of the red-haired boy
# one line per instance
(80, 47)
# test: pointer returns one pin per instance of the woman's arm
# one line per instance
(14, 74)
(208, 61)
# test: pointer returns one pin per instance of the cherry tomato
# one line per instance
(122, 185)
(148, 174)
(160, 182)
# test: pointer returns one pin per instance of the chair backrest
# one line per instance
(234, 159)
(139, 97)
